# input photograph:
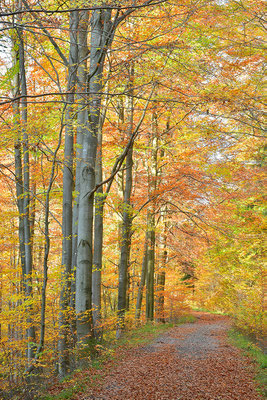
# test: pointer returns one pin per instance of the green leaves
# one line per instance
(6, 81)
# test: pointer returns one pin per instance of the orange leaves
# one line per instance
(190, 361)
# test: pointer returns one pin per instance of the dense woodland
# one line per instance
(132, 171)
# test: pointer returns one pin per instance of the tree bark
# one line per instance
(17, 153)
(141, 284)
(98, 243)
(152, 186)
(127, 215)
(100, 31)
(100, 198)
(67, 199)
(26, 198)
(151, 238)
(161, 275)
(82, 126)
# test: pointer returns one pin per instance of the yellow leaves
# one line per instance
(230, 278)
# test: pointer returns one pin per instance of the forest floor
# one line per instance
(192, 361)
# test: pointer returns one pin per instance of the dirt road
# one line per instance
(189, 362)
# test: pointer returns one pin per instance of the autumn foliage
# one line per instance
(174, 106)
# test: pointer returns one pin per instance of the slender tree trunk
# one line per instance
(67, 199)
(152, 186)
(100, 199)
(161, 283)
(98, 243)
(161, 275)
(150, 267)
(46, 255)
(161, 287)
(142, 284)
(18, 155)
(26, 198)
(128, 281)
(127, 216)
(33, 207)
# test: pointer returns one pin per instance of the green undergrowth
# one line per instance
(79, 382)
(206, 310)
(255, 353)
(145, 333)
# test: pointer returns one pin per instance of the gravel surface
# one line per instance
(197, 344)
(189, 362)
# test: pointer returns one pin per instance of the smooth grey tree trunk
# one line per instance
(64, 331)
(26, 198)
(126, 227)
(100, 198)
(82, 126)
(100, 32)
(98, 243)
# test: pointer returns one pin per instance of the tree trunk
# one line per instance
(161, 287)
(150, 267)
(152, 186)
(100, 31)
(26, 199)
(100, 198)
(98, 243)
(46, 255)
(82, 126)
(161, 275)
(67, 199)
(18, 156)
(142, 284)
(127, 216)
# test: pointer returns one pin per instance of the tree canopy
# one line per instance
(132, 171)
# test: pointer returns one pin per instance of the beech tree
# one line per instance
(22, 176)
(146, 115)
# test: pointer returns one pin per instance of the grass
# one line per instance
(256, 354)
(206, 310)
(133, 338)
(146, 333)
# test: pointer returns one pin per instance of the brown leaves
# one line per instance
(190, 362)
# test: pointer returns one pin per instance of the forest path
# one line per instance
(192, 361)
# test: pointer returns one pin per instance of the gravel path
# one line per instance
(197, 344)
(189, 362)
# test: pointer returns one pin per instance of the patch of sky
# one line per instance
(221, 2)
(5, 53)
